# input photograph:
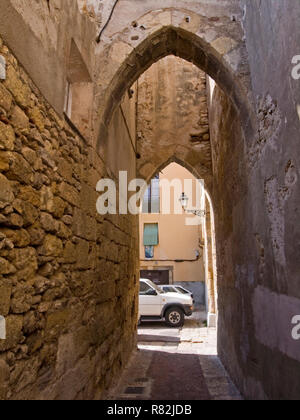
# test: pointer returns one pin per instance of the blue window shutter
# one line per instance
(150, 234)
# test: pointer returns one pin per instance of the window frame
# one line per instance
(157, 239)
(149, 194)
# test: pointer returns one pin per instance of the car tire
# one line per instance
(174, 317)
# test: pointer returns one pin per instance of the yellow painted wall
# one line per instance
(177, 241)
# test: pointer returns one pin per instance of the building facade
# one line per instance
(171, 250)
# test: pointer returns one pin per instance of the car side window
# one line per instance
(144, 288)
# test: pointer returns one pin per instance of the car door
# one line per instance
(149, 305)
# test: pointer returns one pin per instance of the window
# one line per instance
(144, 288)
(151, 202)
(151, 234)
(169, 289)
(68, 100)
(79, 91)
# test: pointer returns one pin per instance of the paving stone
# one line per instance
(189, 369)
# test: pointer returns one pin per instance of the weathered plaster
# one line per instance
(273, 314)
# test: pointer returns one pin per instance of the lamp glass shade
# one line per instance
(184, 200)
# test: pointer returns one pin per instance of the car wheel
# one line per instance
(174, 317)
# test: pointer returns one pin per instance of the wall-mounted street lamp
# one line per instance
(184, 200)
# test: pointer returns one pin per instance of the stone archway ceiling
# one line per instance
(172, 119)
(214, 44)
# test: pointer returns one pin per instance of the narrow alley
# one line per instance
(176, 364)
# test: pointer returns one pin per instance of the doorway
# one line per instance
(158, 277)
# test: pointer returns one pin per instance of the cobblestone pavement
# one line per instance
(175, 364)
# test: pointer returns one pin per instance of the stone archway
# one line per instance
(179, 161)
(180, 33)
(228, 185)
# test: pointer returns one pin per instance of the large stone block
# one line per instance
(17, 87)
(105, 290)
(27, 211)
(36, 234)
(5, 98)
(71, 348)
(19, 237)
(37, 118)
(7, 137)
(5, 294)
(82, 254)
(63, 231)
(23, 257)
(6, 192)
(69, 254)
(69, 193)
(53, 204)
(6, 267)
(4, 379)
(19, 119)
(75, 380)
(20, 302)
(66, 357)
(88, 199)
(65, 170)
(27, 193)
(224, 45)
(19, 169)
(52, 246)
(48, 223)
(56, 323)
(14, 325)
(84, 226)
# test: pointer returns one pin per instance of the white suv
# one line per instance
(156, 304)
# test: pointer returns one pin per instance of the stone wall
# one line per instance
(173, 118)
(68, 276)
(256, 302)
(272, 38)
(234, 244)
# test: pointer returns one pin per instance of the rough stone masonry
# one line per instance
(68, 276)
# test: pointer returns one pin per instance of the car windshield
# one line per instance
(158, 289)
